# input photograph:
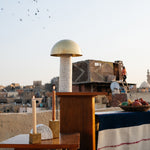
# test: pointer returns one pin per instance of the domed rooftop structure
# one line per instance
(144, 85)
(66, 47)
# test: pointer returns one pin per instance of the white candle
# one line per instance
(34, 114)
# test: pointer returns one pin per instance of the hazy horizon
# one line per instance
(105, 30)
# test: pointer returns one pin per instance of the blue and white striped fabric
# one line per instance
(123, 130)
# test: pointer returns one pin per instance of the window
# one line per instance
(97, 64)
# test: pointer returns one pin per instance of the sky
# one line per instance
(106, 30)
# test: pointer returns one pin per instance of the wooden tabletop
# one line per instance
(65, 141)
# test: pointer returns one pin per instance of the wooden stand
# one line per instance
(77, 114)
(35, 138)
(55, 127)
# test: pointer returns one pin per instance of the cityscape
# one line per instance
(88, 76)
(16, 98)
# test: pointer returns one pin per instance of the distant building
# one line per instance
(145, 86)
(1, 87)
(28, 88)
(3, 97)
(96, 75)
(12, 94)
(12, 87)
(148, 76)
(37, 83)
(15, 85)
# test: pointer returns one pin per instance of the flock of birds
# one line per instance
(35, 12)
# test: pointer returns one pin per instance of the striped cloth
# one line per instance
(123, 131)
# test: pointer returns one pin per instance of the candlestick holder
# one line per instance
(35, 138)
(55, 127)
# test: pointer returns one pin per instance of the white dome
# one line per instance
(144, 85)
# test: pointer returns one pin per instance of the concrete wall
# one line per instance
(12, 124)
(135, 95)
(117, 99)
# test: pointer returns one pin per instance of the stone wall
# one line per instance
(12, 124)
(136, 95)
(117, 99)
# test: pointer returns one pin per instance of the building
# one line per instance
(148, 76)
(96, 75)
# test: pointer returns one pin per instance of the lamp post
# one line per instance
(66, 49)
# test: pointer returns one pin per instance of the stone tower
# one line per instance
(148, 76)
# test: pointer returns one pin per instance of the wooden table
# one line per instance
(65, 141)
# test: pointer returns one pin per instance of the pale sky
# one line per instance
(106, 30)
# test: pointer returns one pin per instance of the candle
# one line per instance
(34, 114)
(54, 104)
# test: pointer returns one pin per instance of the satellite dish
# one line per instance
(114, 86)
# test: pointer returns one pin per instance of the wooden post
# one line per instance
(77, 114)
(54, 104)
